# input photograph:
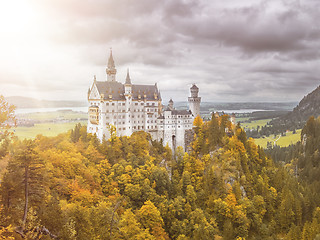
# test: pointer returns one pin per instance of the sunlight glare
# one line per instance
(16, 17)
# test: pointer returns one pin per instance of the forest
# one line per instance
(73, 186)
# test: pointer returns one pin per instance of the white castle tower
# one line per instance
(111, 69)
(194, 101)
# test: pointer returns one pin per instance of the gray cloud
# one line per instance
(254, 50)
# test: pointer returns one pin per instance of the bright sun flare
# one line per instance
(16, 17)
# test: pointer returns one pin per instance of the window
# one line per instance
(112, 104)
(107, 104)
(136, 104)
(152, 104)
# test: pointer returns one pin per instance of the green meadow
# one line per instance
(49, 123)
(45, 129)
(282, 141)
(255, 123)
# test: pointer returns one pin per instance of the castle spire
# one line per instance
(111, 70)
(170, 104)
(111, 61)
(128, 80)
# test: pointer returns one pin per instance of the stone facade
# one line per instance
(131, 107)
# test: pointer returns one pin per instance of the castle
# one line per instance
(131, 107)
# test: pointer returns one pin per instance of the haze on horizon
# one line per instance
(256, 50)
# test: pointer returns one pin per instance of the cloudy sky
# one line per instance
(248, 50)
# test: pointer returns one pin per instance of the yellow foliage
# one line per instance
(231, 198)
(6, 233)
(198, 121)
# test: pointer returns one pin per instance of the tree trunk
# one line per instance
(26, 193)
(112, 219)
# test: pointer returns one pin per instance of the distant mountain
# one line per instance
(307, 107)
(26, 102)
(222, 106)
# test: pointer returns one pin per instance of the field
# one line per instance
(254, 124)
(46, 129)
(49, 123)
(282, 141)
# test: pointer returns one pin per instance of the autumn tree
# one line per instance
(7, 120)
(150, 218)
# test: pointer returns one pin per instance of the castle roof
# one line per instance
(194, 87)
(178, 112)
(128, 80)
(117, 91)
(111, 61)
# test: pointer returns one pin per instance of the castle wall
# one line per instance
(132, 108)
(126, 115)
(194, 105)
(188, 139)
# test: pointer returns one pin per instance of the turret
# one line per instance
(128, 85)
(194, 101)
(111, 70)
(194, 91)
(170, 104)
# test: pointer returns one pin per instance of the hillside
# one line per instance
(308, 106)
(225, 187)
(295, 119)
(26, 102)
